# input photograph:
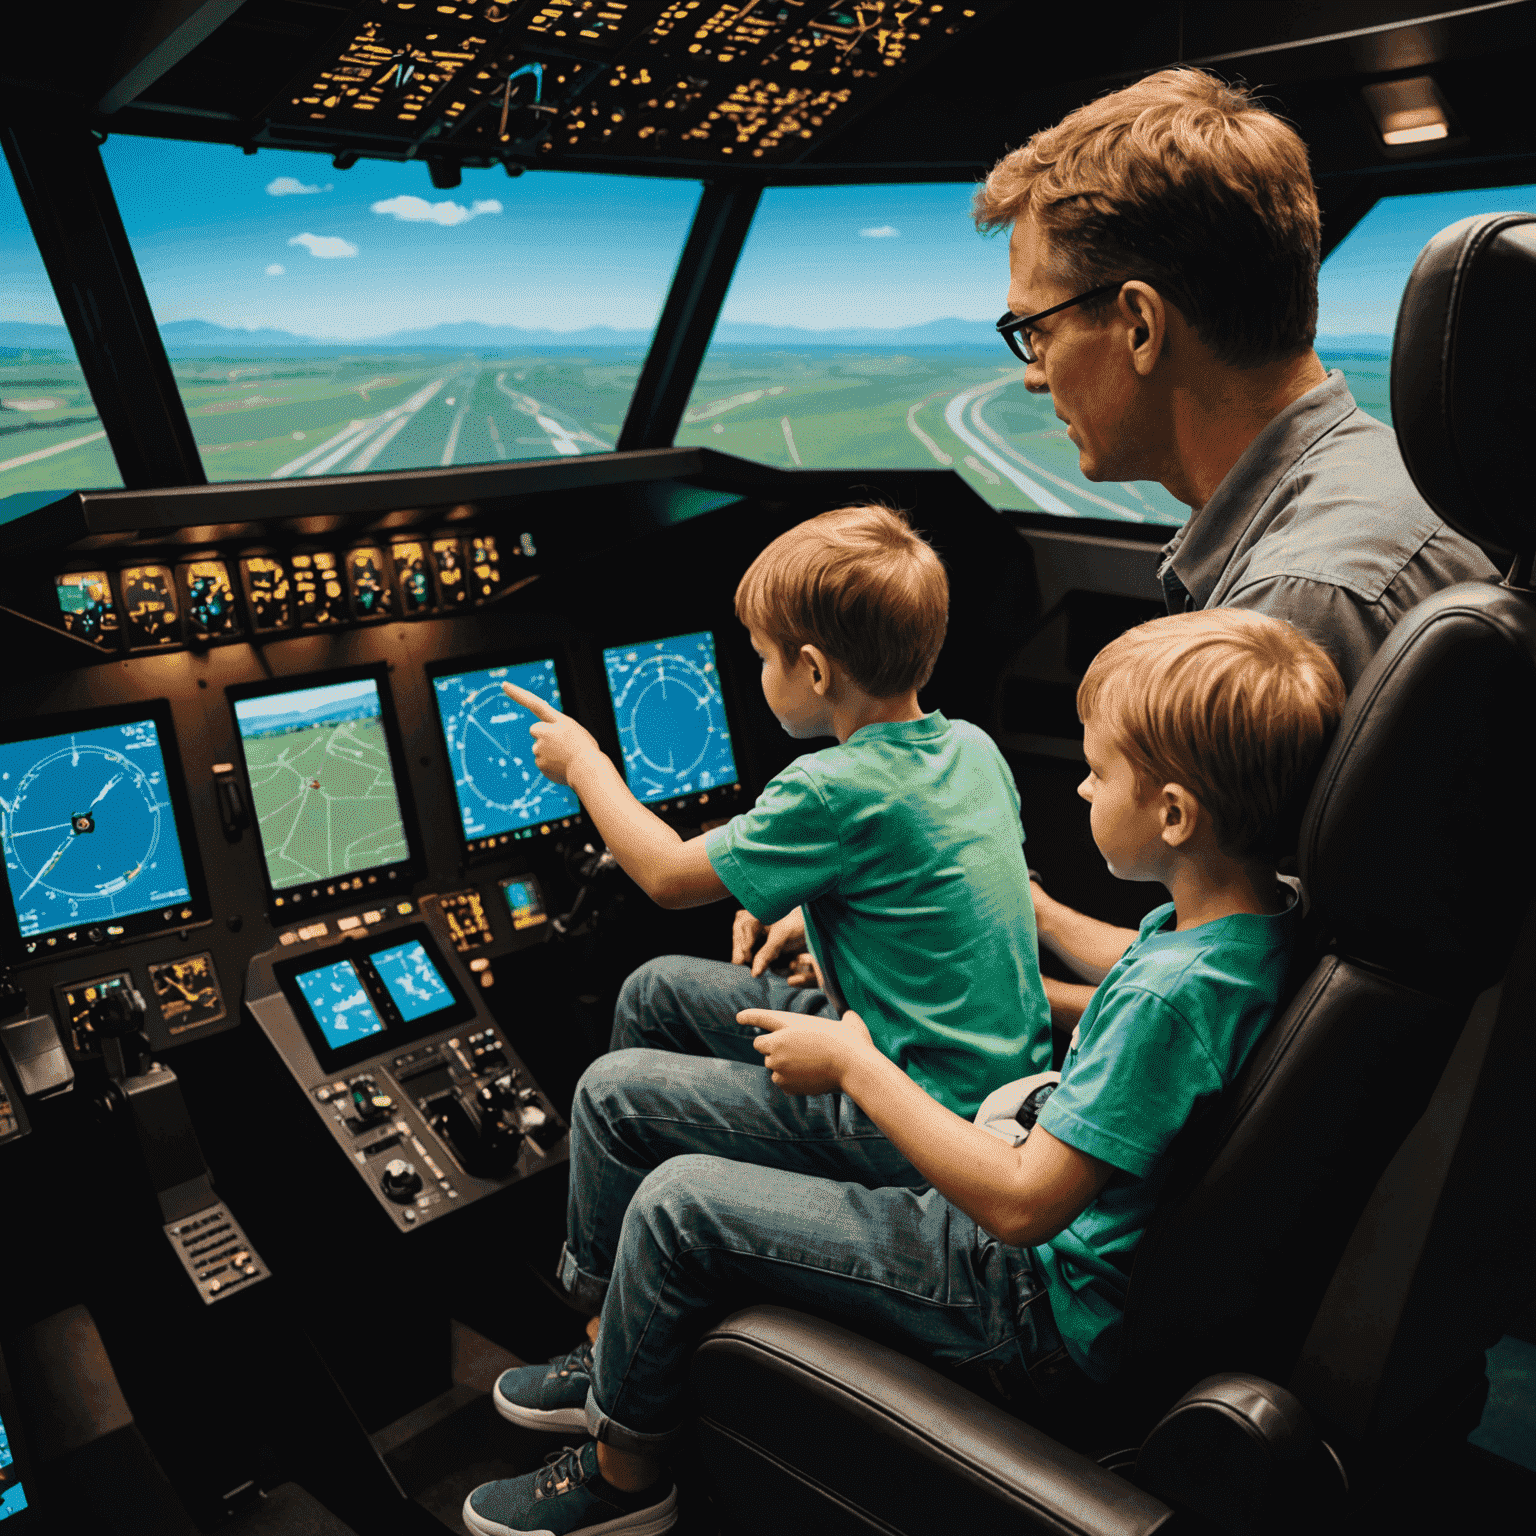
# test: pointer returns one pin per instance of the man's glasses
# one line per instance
(1015, 331)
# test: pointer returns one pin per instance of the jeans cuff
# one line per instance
(610, 1432)
(584, 1289)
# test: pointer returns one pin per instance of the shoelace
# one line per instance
(579, 1359)
(562, 1472)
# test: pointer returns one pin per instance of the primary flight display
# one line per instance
(89, 832)
(498, 788)
(671, 717)
(322, 782)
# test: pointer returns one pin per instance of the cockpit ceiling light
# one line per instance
(1408, 111)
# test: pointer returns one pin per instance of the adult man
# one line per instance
(1163, 257)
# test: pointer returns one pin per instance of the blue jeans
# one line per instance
(635, 1108)
(704, 1235)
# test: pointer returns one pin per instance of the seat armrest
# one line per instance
(854, 1436)
(1244, 1456)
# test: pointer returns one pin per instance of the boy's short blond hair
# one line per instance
(1236, 706)
(859, 584)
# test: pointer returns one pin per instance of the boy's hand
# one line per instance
(558, 740)
(787, 936)
(746, 934)
(804, 972)
(806, 1054)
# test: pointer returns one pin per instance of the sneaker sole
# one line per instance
(645, 1522)
(557, 1420)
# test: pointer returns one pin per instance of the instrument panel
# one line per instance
(269, 593)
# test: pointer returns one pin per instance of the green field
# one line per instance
(291, 417)
(325, 801)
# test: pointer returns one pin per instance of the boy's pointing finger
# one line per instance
(767, 1018)
(532, 703)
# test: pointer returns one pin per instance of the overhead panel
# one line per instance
(697, 81)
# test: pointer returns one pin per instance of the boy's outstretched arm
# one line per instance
(673, 873)
(1022, 1195)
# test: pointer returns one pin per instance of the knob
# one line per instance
(370, 1101)
(400, 1181)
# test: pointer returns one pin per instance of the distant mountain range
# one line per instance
(201, 338)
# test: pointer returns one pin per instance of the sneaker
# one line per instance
(549, 1397)
(569, 1494)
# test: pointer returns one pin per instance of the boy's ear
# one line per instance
(1181, 814)
(819, 667)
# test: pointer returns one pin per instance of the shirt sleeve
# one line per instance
(1350, 629)
(1135, 1082)
(782, 852)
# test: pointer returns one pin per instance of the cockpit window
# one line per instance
(50, 436)
(1363, 279)
(859, 332)
(325, 322)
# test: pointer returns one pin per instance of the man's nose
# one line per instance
(1035, 381)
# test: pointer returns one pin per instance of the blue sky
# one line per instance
(211, 226)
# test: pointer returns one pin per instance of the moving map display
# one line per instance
(322, 782)
(499, 790)
(671, 717)
(89, 830)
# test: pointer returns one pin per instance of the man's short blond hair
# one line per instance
(859, 584)
(1235, 706)
(1190, 185)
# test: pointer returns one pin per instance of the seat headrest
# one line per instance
(1463, 382)
(1412, 850)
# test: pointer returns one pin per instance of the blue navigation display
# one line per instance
(13, 1498)
(322, 782)
(88, 828)
(499, 790)
(412, 980)
(671, 718)
(337, 999)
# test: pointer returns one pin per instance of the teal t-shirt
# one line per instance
(905, 849)
(1168, 1027)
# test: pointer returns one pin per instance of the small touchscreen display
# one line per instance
(13, 1497)
(410, 978)
(339, 1003)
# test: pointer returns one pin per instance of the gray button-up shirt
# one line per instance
(1319, 524)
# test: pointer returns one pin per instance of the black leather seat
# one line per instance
(1285, 1249)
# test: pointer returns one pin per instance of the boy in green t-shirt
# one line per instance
(902, 847)
(1203, 733)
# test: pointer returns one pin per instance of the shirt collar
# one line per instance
(1200, 551)
(931, 724)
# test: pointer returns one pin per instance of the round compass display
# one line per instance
(671, 718)
(499, 788)
(88, 829)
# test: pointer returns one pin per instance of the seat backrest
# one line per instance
(1407, 859)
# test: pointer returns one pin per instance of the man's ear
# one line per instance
(819, 667)
(1181, 815)
(1144, 314)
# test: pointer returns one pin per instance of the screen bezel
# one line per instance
(378, 880)
(25, 949)
(688, 798)
(501, 844)
(398, 1031)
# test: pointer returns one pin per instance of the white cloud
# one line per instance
(880, 232)
(276, 270)
(417, 210)
(327, 247)
(289, 186)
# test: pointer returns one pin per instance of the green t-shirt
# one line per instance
(1168, 1028)
(904, 846)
